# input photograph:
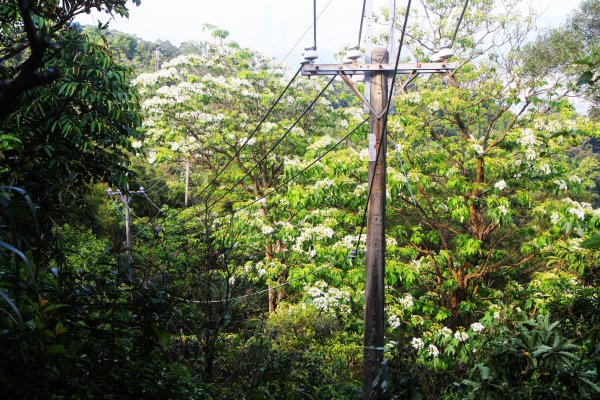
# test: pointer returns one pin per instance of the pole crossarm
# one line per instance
(361, 69)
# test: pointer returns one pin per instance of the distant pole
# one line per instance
(375, 268)
(128, 240)
(125, 200)
(187, 181)
(157, 59)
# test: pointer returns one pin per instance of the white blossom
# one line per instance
(267, 230)
(445, 332)
(477, 148)
(136, 144)
(232, 280)
(578, 212)
(262, 272)
(500, 185)
(417, 343)
(554, 217)
(545, 168)
(503, 210)
(394, 321)
(151, 157)
(562, 185)
(575, 179)
(527, 137)
(432, 350)
(407, 301)
(477, 327)
(496, 315)
(461, 336)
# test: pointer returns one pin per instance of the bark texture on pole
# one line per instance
(375, 267)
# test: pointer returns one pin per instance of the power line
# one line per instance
(256, 129)
(459, 22)
(385, 117)
(362, 19)
(304, 34)
(314, 24)
(316, 160)
(275, 145)
(268, 289)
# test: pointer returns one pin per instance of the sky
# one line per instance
(271, 26)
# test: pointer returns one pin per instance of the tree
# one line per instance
(28, 45)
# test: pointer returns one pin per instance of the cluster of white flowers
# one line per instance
(477, 327)
(407, 301)
(232, 280)
(151, 157)
(578, 212)
(411, 97)
(553, 126)
(461, 336)
(182, 60)
(562, 185)
(530, 154)
(318, 232)
(360, 189)
(324, 183)
(151, 78)
(445, 332)
(434, 106)
(329, 299)
(477, 148)
(500, 185)
(417, 343)
(544, 168)
(554, 217)
(136, 144)
(266, 230)
(503, 210)
(349, 242)
(322, 142)
(394, 321)
(433, 351)
(574, 179)
(527, 138)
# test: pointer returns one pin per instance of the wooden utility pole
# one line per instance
(375, 268)
(376, 70)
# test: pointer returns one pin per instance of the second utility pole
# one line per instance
(375, 268)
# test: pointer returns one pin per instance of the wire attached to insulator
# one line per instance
(459, 22)
(362, 19)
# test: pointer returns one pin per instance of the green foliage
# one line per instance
(533, 360)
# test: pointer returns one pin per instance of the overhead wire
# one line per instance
(256, 293)
(277, 143)
(459, 22)
(362, 19)
(385, 117)
(256, 129)
(293, 177)
(304, 34)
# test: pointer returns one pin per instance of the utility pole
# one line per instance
(375, 268)
(125, 199)
(377, 70)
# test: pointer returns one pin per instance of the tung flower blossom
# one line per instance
(433, 351)
(417, 343)
(461, 336)
(500, 185)
(394, 321)
(477, 327)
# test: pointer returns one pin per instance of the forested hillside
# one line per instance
(188, 222)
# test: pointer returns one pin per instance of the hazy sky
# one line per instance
(272, 26)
